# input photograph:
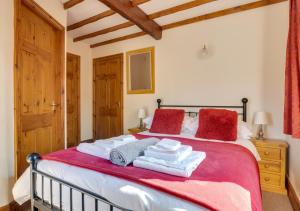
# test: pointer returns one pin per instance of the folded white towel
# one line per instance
(155, 148)
(189, 162)
(108, 144)
(168, 144)
(93, 149)
(179, 155)
(185, 170)
(115, 141)
(102, 148)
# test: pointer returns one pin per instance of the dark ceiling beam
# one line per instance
(126, 37)
(179, 8)
(137, 16)
(71, 3)
(104, 31)
(100, 16)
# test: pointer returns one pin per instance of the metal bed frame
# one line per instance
(190, 113)
(39, 203)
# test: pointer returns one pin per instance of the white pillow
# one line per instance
(148, 121)
(190, 125)
(243, 131)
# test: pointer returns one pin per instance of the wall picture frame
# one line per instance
(141, 71)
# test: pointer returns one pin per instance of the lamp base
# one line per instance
(141, 126)
(260, 133)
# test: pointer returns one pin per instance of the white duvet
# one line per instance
(124, 193)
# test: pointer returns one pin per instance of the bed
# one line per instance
(58, 184)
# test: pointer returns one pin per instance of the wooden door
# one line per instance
(108, 96)
(38, 84)
(73, 100)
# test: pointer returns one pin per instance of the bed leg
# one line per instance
(33, 159)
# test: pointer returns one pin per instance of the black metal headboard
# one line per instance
(243, 107)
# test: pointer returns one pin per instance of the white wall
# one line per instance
(55, 9)
(86, 79)
(6, 99)
(246, 59)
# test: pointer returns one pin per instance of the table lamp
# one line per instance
(260, 119)
(141, 116)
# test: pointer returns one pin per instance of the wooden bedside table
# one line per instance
(272, 166)
(136, 130)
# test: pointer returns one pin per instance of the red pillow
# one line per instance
(220, 124)
(167, 121)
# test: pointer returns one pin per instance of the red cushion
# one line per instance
(167, 121)
(217, 124)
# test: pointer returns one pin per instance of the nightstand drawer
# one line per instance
(270, 166)
(269, 179)
(269, 153)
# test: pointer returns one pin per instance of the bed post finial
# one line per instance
(158, 103)
(33, 159)
(245, 101)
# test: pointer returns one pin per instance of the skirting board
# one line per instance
(5, 208)
(292, 196)
(13, 206)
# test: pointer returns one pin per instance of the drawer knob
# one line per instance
(266, 153)
(267, 179)
(267, 166)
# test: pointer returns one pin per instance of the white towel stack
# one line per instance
(170, 157)
(101, 148)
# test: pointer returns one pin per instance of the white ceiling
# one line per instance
(89, 8)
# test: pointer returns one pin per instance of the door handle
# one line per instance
(118, 104)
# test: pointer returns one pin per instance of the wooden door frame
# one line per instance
(39, 11)
(78, 98)
(121, 55)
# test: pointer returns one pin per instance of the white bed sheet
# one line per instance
(124, 193)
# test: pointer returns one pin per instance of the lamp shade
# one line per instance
(141, 113)
(261, 118)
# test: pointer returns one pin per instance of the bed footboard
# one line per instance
(39, 203)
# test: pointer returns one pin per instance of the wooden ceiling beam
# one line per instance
(100, 16)
(138, 2)
(71, 3)
(158, 14)
(104, 31)
(127, 37)
(178, 8)
(135, 15)
(208, 16)
(92, 19)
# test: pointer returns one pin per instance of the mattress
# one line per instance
(119, 191)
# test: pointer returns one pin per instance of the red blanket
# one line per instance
(228, 179)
